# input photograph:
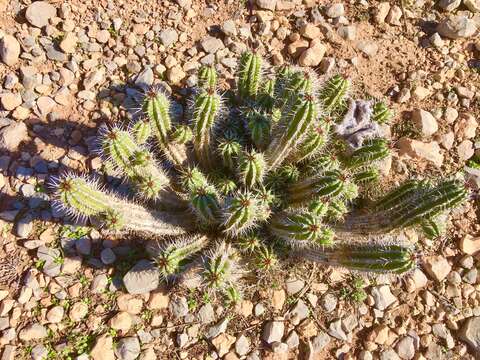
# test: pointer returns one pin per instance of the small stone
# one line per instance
(273, 331)
(108, 256)
(310, 31)
(472, 5)
(229, 28)
(121, 321)
(300, 311)
(9, 50)
(55, 314)
(449, 5)
(267, 4)
(382, 11)
(179, 307)
(175, 75)
(99, 284)
(470, 245)
(450, 115)
(456, 27)
(222, 343)
(45, 105)
(421, 93)
(94, 78)
(78, 311)
(294, 286)
(39, 12)
(130, 304)
(278, 299)
(127, 348)
(383, 297)
(34, 331)
(102, 36)
(317, 344)
(438, 267)
(470, 333)
(242, 345)
(425, 121)
(335, 10)
(368, 47)
(142, 278)
(419, 150)
(211, 44)
(313, 55)
(293, 340)
(168, 37)
(103, 348)
(217, 329)
(39, 352)
(336, 330)
(158, 300)
(394, 16)
(69, 43)
(329, 302)
(182, 340)
(419, 279)
(10, 101)
(259, 309)
(405, 348)
(206, 314)
(145, 79)
(465, 150)
(83, 245)
(12, 135)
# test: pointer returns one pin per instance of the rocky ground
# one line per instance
(69, 292)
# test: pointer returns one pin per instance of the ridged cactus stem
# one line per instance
(142, 131)
(157, 108)
(206, 108)
(328, 184)
(333, 93)
(300, 227)
(411, 210)
(252, 168)
(240, 213)
(170, 258)
(207, 77)
(302, 114)
(313, 143)
(249, 79)
(83, 198)
(362, 257)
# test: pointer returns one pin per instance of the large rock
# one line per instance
(39, 12)
(142, 278)
(425, 121)
(12, 135)
(470, 333)
(472, 5)
(438, 267)
(9, 50)
(313, 55)
(419, 150)
(456, 27)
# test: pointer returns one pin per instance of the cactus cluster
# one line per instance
(279, 164)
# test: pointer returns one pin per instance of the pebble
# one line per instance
(425, 121)
(421, 150)
(437, 267)
(55, 314)
(78, 311)
(273, 331)
(103, 348)
(206, 314)
(211, 44)
(456, 27)
(294, 286)
(12, 136)
(39, 13)
(168, 37)
(383, 297)
(33, 331)
(267, 4)
(368, 47)
(9, 50)
(142, 278)
(449, 5)
(121, 321)
(242, 345)
(335, 10)
(107, 256)
(313, 55)
(470, 245)
(178, 307)
(405, 348)
(10, 101)
(127, 348)
(69, 43)
(317, 344)
(472, 5)
(470, 333)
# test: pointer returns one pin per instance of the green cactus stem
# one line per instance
(142, 131)
(333, 94)
(172, 257)
(240, 213)
(373, 150)
(204, 202)
(381, 113)
(219, 268)
(249, 76)
(329, 184)
(314, 142)
(258, 125)
(368, 257)
(182, 134)
(207, 77)
(297, 121)
(265, 258)
(83, 198)
(206, 108)
(302, 226)
(229, 151)
(251, 168)
(432, 228)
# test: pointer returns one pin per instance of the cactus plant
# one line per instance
(279, 164)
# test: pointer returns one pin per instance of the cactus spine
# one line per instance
(249, 75)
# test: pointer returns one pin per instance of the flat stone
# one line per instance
(45, 105)
(317, 344)
(470, 245)
(266, 4)
(405, 348)
(12, 135)
(121, 321)
(34, 331)
(472, 5)
(55, 314)
(179, 307)
(294, 286)
(142, 278)
(10, 101)
(168, 37)
(242, 345)
(211, 44)
(313, 55)
(335, 10)
(420, 150)
(449, 5)
(9, 50)
(69, 43)
(368, 47)
(425, 121)
(39, 12)
(336, 330)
